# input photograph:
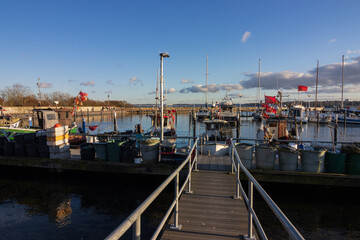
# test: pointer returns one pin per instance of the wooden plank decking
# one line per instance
(211, 212)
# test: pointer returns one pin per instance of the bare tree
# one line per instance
(64, 99)
(17, 95)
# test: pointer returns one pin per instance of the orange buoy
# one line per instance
(57, 125)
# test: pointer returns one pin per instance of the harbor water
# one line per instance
(76, 206)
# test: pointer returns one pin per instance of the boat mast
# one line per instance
(342, 85)
(258, 90)
(317, 80)
(157, 99)
(206, 96)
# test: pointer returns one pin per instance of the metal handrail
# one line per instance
(291, 141)
(289, 227)
(135, 216)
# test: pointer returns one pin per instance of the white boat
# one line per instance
(203, 114)
(322, 118)
(351, 118)
(297, 113)
(227, 110)
(218, 131)
(8, 120)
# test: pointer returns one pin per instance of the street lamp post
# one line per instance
(162, 56)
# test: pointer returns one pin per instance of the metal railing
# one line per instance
(135, 217)
(252, 217)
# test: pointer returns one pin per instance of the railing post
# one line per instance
(236, 180)
(196, 157)
(232, 159)
(251, 201)
(137, 229)
(176, 225)
(189, 174)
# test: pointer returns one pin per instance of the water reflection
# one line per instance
(248, 127)
(73, 207)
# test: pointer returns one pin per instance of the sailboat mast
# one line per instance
(258, 90)
(342, 85)
(317, 81)
(206, 96)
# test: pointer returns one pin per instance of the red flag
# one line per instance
(268, 108)
(302, 88)
(265, 115)
(270, 100)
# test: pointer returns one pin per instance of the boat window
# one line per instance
(51, 116)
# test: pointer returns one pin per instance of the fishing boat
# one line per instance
(217, 132)
(7, 120)
(298, 114)
(349, 118)
(227, 111)
(319, 117)
(203, 114)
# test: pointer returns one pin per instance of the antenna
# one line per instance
(342, 86)
(206, 96)
(39, 91)
(258, 90)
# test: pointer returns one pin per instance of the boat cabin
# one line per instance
(298, 113)
(218, 130)
(47, 118)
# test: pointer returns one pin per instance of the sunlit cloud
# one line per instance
(201, 88)
(230, 87)
(185, 81)
(88, 83)
(135, 81)
(246, 36)
(45, 85)
(329, 75)
(332, 40)
(350, 52)
(171, 90)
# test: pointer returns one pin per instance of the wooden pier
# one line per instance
(211, 211)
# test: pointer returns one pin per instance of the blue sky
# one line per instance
(112, 47)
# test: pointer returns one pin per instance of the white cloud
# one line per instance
(45, 85)
(135, 81)
(332, 40)
(88, 83)
(213, 88)
(184, 81)
(171, 90)
(349, 52)
(201, 88)
(329, 75)
(246, 36)
(231, 87)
